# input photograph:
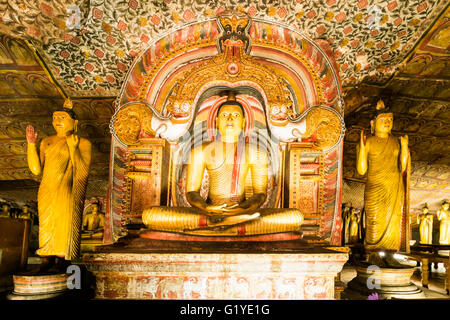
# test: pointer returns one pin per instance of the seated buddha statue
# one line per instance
(6, 211)
(93, 224)
(225, 212)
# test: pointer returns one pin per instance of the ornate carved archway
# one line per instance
(292, 77)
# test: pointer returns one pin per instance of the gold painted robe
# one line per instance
(60, 202)
(384, 197)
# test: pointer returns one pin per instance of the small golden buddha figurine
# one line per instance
(385, 159)
(425, 222)
(25, 213)
(444, 228)
(6, 210)
(63, 161)
(225, 212)
(354, 230)
(346, 222)
(93, 223)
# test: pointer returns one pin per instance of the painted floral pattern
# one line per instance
(90, 47)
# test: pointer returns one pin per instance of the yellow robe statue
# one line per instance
(444, 227)
(385, 158)
(354, 229)
(64, 160)
(425, 221)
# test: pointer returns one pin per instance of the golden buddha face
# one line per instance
(445, 205)
(384, 123)
(63, 123)
(230, 122)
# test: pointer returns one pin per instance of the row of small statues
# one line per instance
(92, 224)
(425, 222)
(353, 221)
(14, 212)
(351, 218)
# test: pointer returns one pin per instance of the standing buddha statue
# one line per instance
(225, 212)
(63, 161)
(425, 222)
(354, 229)
(444, 228)
(386, 160)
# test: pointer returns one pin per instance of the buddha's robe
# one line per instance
(384, 196)
(426, 229)
(444, 227)
(61, 200)
(354, 229)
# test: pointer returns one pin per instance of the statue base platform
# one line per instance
(38, 287)
(90, 244)
(159, 235)
(387, 282)
(152, 269)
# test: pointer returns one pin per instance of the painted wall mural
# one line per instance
(90, 46)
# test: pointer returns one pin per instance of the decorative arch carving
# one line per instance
(293, 78)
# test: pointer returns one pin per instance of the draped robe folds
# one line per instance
(354, 229)
(61, 201)
(384, 197)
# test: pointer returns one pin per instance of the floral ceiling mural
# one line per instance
(90, 45)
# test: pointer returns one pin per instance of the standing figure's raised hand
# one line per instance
(32, 135)
(404, 141)
(362, 141)
(73, 141)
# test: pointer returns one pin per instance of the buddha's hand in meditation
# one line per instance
(236, 209)
(215, 208)
(230, 220)
(228, 210)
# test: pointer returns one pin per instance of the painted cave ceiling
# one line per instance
(396, 50)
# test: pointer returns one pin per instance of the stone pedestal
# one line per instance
(387, 282)
(38, 287)
(307, 274)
